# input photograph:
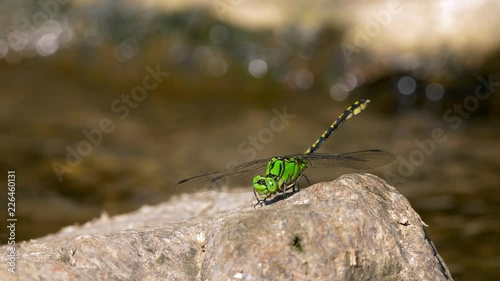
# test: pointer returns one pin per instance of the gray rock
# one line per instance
(354, 228)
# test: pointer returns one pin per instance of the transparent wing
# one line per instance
(360, 160)
(238, 176)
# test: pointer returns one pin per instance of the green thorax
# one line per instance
(280, 173)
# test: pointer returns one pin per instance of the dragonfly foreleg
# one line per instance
(259, 201)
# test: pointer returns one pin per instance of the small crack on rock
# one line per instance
(404, 222)
(297, 243)
(436, 255)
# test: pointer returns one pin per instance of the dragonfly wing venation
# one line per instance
(361, 160)
(238, 176)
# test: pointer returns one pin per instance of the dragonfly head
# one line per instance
(264, 186)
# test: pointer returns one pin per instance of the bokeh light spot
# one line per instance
(434, 91)
(407, 85)
(257, 68)
(47, 44)
(304, 79)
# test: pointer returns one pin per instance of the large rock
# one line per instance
(354, 228)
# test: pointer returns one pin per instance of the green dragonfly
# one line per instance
(284, 172)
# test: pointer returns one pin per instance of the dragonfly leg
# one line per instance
(296, 183)
(292, 185)
(308, 182)
(284, 190)
(256, 196)
(259, 201)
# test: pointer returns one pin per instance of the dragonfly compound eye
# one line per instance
(259, 183)
(271, 185)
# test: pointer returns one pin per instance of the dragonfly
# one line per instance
(284, 172)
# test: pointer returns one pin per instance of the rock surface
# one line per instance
(354, 228)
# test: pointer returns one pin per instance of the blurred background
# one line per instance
(92, 122)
